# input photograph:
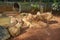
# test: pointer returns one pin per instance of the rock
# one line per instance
(3, 33)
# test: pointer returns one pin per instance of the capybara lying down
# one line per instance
(31, 19)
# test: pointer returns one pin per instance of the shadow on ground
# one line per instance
(40, 34)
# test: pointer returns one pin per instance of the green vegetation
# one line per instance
(31, 0)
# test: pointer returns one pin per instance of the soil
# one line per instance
(36, 33)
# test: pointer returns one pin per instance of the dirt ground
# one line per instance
(50, 33)
(4, 20)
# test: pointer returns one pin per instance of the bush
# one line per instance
(56, 8)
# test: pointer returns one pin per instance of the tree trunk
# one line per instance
(41, 7)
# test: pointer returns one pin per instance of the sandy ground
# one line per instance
(50, 33)
(4, 20)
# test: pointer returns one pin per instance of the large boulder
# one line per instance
(3, 33)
